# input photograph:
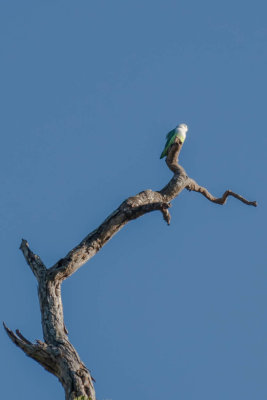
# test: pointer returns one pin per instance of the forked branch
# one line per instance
(39, 352)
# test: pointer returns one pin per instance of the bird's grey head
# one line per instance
(183, 126)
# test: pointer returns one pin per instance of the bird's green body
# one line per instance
(178, 132)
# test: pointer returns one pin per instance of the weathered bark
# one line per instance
(56, 354)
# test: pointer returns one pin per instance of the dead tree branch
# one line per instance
(192, 185)
(56, 354)
(34, 261)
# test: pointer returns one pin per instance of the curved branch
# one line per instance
(194, 186)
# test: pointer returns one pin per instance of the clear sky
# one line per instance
(89, 90)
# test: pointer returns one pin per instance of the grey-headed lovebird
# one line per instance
(180, 132)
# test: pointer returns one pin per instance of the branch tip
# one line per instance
(23, 243)
(11, 334)
(22, 337)
(165, 212)
(33, 260)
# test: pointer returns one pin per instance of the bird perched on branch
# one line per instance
(178, 132)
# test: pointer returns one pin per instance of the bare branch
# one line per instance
(165, 212)
(61, 361)
(192, 185)
(19, 334)
(40, 352)
(129, 210)
(15, 339)
(173, 154)
(34, 261)
(132, 208)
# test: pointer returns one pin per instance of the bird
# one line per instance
(178, 132)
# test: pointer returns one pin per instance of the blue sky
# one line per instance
(88, 92)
